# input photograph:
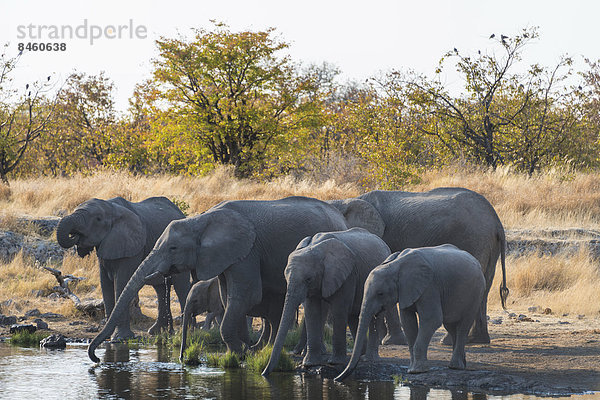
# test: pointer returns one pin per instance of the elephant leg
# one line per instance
(244, 334)
(314, 333)
(394, 329)
(164, 318)
(108, 292)
(479, 332)
(381, 330)
(429, 322)
(372, 351)
(274, 316)
(301, 345)
(123, 330)
(235, 315)
(340, 321)
(411, 329)
(459, 360)
(208, 321)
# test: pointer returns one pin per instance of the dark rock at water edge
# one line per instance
(8, 320)
(16, 328)
(56, 341)
(40, 323)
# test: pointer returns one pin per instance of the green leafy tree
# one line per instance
(233, 91)
(24, 116)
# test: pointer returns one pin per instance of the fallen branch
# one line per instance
(63, 281)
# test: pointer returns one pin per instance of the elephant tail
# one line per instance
(503, 288)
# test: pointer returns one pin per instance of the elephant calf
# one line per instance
(203, 297)
(330, 267)
(442, 284)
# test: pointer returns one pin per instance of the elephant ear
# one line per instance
(304, 242)
(338, 263)
(226, 239)
(126, 237)
(414, 276)
(360, 213)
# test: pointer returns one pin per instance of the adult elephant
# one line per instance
(444, 215)
(123, 233)
(246, 244)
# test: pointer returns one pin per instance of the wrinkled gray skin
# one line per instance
(204, 297)
(444, 215)
(442, 284)
(330, 267)
(246, 244)
(123, 233)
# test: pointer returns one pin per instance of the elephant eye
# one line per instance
(98, 219)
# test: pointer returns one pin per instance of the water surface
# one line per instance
(154, 373)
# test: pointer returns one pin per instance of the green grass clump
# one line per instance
(292, 338)
(26, 339)
(227, 360)
(193, 353)
(258, 361)
(211, 337)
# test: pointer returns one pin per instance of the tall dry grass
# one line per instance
(565, 284)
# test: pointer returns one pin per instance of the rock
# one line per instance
(56, 341)
(22, 328)
(563, 322)
(41, 324)
(496, 321)
(42, 250)
(50, 315)
(76, 323)
(5, 320)
(92, 308)
(547, 311)
(33, 313)
(54, 296)
(37, 293)
(580, 316)
(512, 315)
(93, 329)
(533, 309)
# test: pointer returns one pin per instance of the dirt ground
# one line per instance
(540, 354)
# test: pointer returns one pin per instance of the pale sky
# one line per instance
(361, 38)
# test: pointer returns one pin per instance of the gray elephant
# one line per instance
(330, 267)
(444, 215)
(204, 297)
(123, 233)
(442, 284)
(246, 244)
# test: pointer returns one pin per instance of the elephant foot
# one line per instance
(158, 328)
(398, 339)
(370, 357)
(457, 365)
(447, 340)
(338, 360)
(312, 360)
(418, 368)
(299, 350)
(479, 339)
(122, 335)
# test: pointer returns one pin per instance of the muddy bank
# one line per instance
(548, 355)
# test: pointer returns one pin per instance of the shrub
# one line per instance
(258, 361)
(26, 339)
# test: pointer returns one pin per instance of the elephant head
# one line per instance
(206, 245)
(113, 229)
(315, 268)
(360, 213)
(197, 302)
(401, 278)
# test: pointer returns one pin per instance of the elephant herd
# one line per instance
(357, 260)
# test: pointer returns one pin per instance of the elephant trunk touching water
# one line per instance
(135, 284)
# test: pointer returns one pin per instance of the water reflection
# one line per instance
(154, 373)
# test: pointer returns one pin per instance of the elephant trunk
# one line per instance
(292, 301)
(366, 315)
(187, 316)
(135, 284)
(65, 231)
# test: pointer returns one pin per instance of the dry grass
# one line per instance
(53, 196)
(563, 284)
